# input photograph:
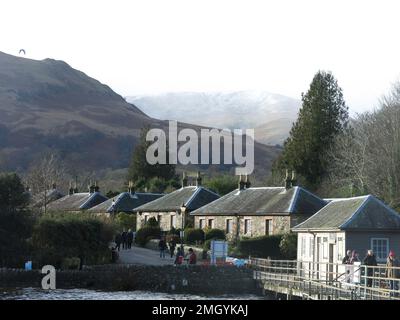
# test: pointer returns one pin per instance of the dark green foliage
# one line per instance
(68, 236)
(222, 184)
(126, 221)
(16, 222)
(193, 235)
(288, 246)
(215, 234)
(261, 247)
(141, 172)
(147, 233)
(111, 194)
(152, 222)
(322, 117)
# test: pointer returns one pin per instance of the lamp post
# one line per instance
(182, 233)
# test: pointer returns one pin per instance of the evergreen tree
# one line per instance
(141, 172)
(322, 117)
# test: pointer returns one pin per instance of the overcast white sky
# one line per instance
(209, 45)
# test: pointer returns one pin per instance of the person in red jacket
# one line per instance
(192, 257)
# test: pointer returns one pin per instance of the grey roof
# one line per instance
(192, 197)
(264, 201)
(77, 201)
(38, 200)
(125, 202)
(358, 213)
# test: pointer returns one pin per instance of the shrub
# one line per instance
(261, 247)
(126, 221)
(152, 223)
(57, 238)
(288, 246)
(192, 235)
(215, 234)
(147, 233)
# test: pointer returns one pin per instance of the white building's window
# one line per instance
(202, 223)
(247, 226)
(268, 227)
(229, 224)
(311, 248)
(325, 247)
(340, 249)
(303, 245)
(380, 246)
(173, 221)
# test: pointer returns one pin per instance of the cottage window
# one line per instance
(146, 217)
(325, 247)
(247, 226)
(229, 223)
(211, 223)
(173, 221)
(202, 223)
(380, 246)
(268, 227)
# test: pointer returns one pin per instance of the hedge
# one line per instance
(145, 234)
(261, 247)
(215, 234)
(192, 235)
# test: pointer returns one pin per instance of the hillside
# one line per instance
(49, 106)
(271, 115)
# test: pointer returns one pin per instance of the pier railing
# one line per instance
(328, 280)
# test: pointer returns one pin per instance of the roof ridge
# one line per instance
(356, 213)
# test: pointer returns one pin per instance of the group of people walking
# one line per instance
(392, 271)
(125, 238)
(180, 253)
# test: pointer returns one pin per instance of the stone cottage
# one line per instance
(42, 199)
(78, 201)
(252, 212)
(358, 223)
(173, 210)
(124, 202)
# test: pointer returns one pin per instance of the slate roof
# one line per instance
(125, 202)
(77, 201)
(193, 198)
(358, 213)
(51, 195)
(264, 201)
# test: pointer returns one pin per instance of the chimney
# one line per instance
(96, 188)
(131, 189)
(76, 185)
(288, 180)
(241, 183)
(71, 190)
(184, 180)
(54, 186)
(247, 182)
(294, 180)
(198, 179)
(91, 187)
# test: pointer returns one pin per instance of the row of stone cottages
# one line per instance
(326, 228)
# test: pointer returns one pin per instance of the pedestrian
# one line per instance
(179, 257)
(162, 246)
(392, 273)
(124, 236)
(354, 257)
(172, 246)
(370, 262)
(192, 256)
(118, 241)
(129, 238)
(347, 257)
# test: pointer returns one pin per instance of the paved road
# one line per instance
(138, 255)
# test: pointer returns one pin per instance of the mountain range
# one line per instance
(271, 115)
(48, 106)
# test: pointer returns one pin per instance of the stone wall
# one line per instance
(280, 224)
(164, 219)
(182, 279)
